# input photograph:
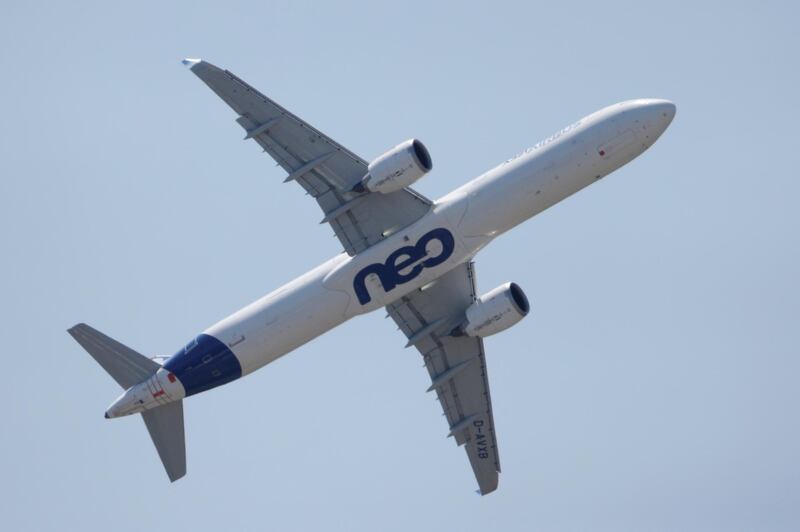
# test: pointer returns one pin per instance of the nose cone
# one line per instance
(656, 114)
(665, 110)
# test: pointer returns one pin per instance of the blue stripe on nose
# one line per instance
(203, 364)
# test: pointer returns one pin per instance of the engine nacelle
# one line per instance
(496, 311)
(398, 168)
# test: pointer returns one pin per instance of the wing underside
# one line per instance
(325, 169)
(456, 365)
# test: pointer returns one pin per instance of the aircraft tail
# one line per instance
(127, 367)
(165, 425)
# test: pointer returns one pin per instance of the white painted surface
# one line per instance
(476, 213)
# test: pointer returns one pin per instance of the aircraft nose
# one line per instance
(666, 109)
(662, 111)
(657, 114)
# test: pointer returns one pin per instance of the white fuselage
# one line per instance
(473, 215)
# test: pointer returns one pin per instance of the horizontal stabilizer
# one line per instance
(125, 365)
(165, 425)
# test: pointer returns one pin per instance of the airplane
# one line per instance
(403, 252)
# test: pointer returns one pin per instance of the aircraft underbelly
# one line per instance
(283, 320)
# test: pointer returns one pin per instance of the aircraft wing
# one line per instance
(456, 364)
(325, 169)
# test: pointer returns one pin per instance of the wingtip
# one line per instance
(75, 328)
(487, 489)
(191, 62)
(176, 477)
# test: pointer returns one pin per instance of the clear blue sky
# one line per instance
(653, 387)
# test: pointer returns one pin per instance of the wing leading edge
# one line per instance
(325, 169)
(457, 366)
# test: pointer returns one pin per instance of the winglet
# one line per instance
(191, 63)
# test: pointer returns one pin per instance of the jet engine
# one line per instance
(495, 311)
(398, 168)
